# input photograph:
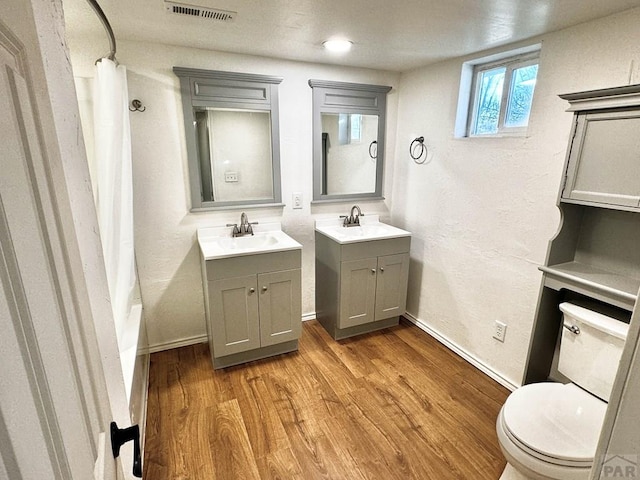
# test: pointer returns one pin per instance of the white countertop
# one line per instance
(370, 229)
(217, 242)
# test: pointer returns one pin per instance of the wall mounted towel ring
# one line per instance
(373, 149)
(136, 106)
(417, 149)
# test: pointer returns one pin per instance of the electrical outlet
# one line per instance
(297, 200)
(500, 331)
(230, 177)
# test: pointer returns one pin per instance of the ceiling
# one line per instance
(386, 35)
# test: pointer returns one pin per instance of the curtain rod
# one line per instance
(107, 27)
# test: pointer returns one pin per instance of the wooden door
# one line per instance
(357, 292)
(234, 319)
(280, 306)
(55, 408)
(391, 286)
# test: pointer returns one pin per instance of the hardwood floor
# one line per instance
(394, 404)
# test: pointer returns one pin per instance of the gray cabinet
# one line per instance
(253, 306)
(234, 322)
(280, 307)
(604, 164)
(603, 158)
(360, 287)
(594, 258)
(372, 289)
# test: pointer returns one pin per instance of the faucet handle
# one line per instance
(235, 231)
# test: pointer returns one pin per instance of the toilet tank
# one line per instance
(590, 348)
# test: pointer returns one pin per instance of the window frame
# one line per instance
(511, 63)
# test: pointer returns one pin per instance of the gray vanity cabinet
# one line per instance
(373, 289)
(362, 286)
(253, 306)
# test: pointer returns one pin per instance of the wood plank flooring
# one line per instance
(394, 404)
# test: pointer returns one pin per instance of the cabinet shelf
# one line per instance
(608, 286)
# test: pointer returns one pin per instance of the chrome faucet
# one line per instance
(352, 220)
(244, 228)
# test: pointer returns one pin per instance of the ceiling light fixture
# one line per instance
(337, 46)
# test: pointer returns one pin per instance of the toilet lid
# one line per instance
(559, 421)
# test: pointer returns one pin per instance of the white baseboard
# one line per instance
(308, 316)
(479, 364)
(159, 347)
(142, 421)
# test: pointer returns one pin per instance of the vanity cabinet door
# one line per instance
(604, 160)
(357, 292)
(391, 286)
(280, 306)
(235, 326)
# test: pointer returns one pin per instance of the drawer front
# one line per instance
(253, 264)
(375, 248)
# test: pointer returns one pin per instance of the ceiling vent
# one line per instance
(202, 12)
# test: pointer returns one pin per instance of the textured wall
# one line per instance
(166, 248)
(482, 210)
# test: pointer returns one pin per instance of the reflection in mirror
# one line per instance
(348, 153)
(348, 140)
(234, 147)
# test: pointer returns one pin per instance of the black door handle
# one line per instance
(120, 436)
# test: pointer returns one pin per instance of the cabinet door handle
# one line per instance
(381, 270)
(252, 290)
(264, 289)
(373, 271)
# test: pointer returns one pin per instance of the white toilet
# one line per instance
(551, 430)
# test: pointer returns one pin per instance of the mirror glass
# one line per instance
(234, 149)
(349, 153)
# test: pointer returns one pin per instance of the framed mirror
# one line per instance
(348, 140)
(232, 137)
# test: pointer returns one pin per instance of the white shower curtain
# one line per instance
(114, 189)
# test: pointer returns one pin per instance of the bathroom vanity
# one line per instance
(361, 275)
(252, 291)
(594, 257)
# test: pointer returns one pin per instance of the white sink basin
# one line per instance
(251, 242)
(217, 242)
(370, 229)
